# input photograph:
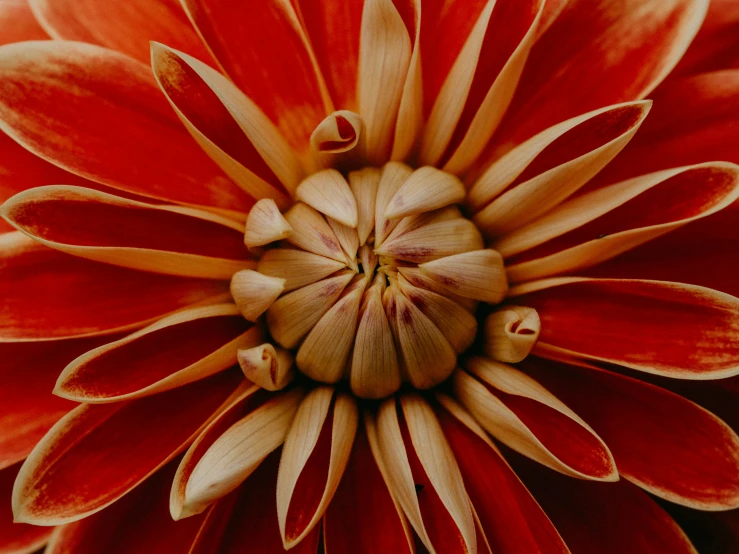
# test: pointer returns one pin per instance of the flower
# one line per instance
(481, 288)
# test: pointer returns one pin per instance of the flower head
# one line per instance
(372, 276)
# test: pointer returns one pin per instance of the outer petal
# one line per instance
(608, 518)
(363, 517)
(83, 298)
(264, 49)
(17, 538)
(596, 54)
(124, 26)
(138, 235)
(694, 120)
(698, 253)
(604, 223)
(658, 327)
(661, 441)
(99, 114)
(96, 454)
(511, 519)
(28, 408)
(187, 346)
(138, 522)
(713, 532)
(717, 44)
(17, 23)
(246, 520)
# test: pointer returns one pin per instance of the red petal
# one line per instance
(596, 54)
(138, 522)
(112, 229)
(698, 253)
(693, 120)
(659, 327)
(191, 345)
(17, 538)
(717, 44)
(17, 23)
(712, 532)
(510, 517)
(99, 114)
(661, 441)
(333, 28)
(97, 453)
(263, 48)
(610, 518)
(362, 518)
(127, 27)
(28, 408)
(246, 520)
(50, 295)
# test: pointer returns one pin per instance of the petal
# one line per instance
(333, 29)
(249, 38)
(129, 233)
(100, 115)
(316, 451)
(17, 538)
(604, 223)
(83, 298)
(694, 119)
(596, 55)
(671, 329)
(247, 519)
(362, 517)
(231, 129)
(28, 409)
(607, 518)
(423, 476)
(714, 532)
(17, 23)
(138, 522)
(696, 253)
(662, 442)
(127, 27)
(185, 347)
(510, 517)
(534, 177)
(522, 414)
(97, 453)
(715, 46)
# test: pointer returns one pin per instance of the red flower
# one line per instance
(455, 251)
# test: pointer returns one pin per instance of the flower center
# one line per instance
(373, 278)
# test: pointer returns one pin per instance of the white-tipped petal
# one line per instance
(328, 192)
(269, 367)
(294, 315)
(511, 333)
(265, 224)
(479, 274)
(425, 190)
(254, 293)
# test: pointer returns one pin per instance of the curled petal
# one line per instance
(77, 470)
(127, 27)
(511, 333)
(316, 452)
(339, 140)
(268, 367)
(671, 329)
(604, 223)
(118, 299)
(63, 101)
(551, 166)
(524, 415)
(185, 347)
(424, 478)
(129, 233)
(664, 443)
